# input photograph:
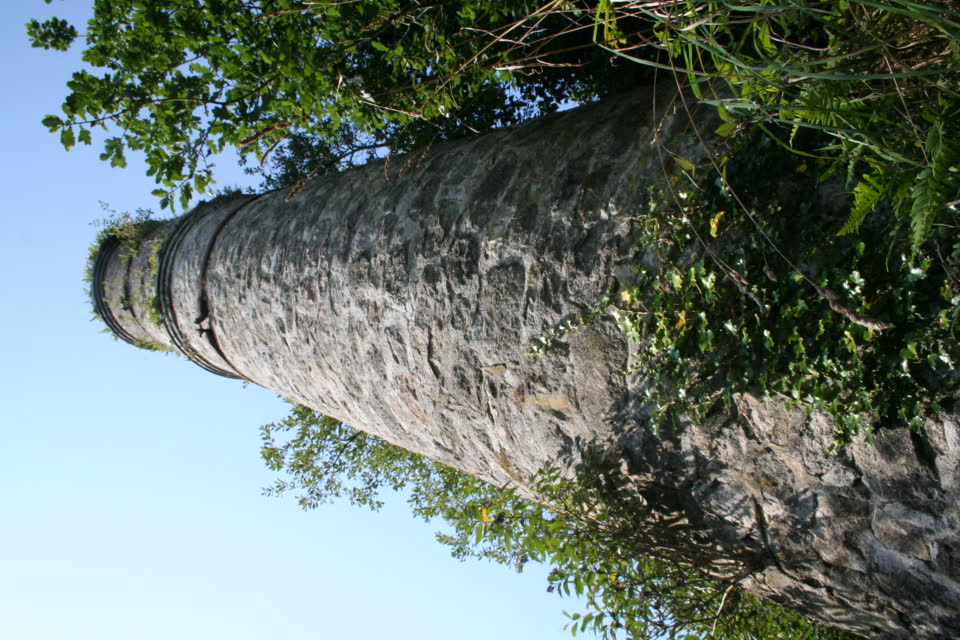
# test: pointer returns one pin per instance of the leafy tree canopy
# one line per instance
(183, 81)
(637, 578)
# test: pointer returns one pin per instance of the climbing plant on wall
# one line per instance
(747, 287)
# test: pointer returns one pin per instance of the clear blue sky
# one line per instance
(130, 481)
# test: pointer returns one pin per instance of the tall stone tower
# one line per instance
(405, 298)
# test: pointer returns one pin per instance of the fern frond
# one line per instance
(937, 184)
(923, 210)
(866, 196)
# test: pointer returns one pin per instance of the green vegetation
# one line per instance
(861, 326)
(180, 84)
(769, 299)
(879, 80)
(848, 307)
(636, 576)
(129, 229)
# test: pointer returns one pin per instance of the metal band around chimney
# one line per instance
(167, 259)
(204, 299)
(100, 305)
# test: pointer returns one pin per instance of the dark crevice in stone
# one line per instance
(926, 454)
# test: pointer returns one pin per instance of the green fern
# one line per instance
(936, 184)
(866, 196)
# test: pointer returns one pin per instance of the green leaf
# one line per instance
(67, 138)
(726, 129)
(52, 122)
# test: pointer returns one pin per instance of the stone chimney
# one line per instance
(407, 298)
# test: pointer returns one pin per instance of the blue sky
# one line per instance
(130, 481)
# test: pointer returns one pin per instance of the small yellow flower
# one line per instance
(682, 322)
(626, 297)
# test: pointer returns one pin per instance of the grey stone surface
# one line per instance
(129, 286)
(404, 297)
(867, 540)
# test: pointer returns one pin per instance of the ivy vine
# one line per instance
(768, 298)
(748, 286)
